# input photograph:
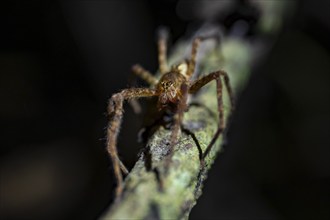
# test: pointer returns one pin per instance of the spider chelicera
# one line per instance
(172, 89)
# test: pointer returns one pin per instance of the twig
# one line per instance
(152, 193)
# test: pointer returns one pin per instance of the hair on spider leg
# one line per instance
(102, 139)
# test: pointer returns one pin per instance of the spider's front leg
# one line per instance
(199, 84)
(178, 117)
(115, 111)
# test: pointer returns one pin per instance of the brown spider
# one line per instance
(172, 90)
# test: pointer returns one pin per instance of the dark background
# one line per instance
(60, 62)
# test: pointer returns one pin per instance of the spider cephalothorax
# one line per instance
(169, 87)
(172, 89)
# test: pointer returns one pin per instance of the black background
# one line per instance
(60, 62)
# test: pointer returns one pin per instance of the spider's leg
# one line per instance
(203, 81)
(115, 110)
(162, 50)
(123, 167)
(144, 74)
(194, 49)
(193, 136)
(192, 61)
(178, 117)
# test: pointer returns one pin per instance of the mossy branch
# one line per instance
(149, 193)
(144, 197)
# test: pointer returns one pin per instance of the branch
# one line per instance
(149, 193)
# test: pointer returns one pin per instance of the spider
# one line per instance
(172, 89)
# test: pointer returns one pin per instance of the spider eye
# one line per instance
(167, 84)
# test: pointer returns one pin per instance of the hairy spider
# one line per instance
(172, 90)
